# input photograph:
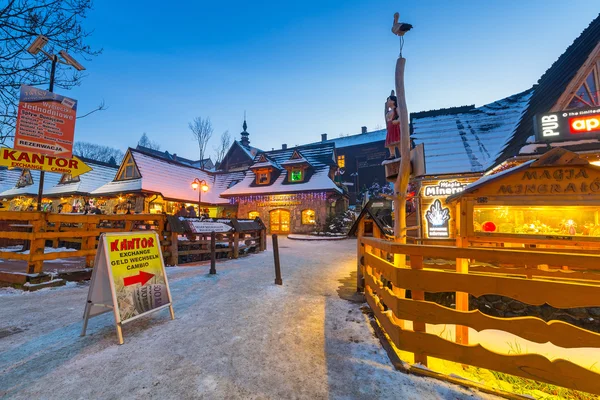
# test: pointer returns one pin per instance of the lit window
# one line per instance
(253, 214)
(341, 161)
(128, 169)
(25, 179)
(296, 175)
(308, 217)
(262, 177)
(588, 94)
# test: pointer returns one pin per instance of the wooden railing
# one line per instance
(561, 280)
(74, 229)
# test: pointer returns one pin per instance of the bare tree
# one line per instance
(221, 149)
(146, 142)
(202, 131)
(20, 22)
(98, 152)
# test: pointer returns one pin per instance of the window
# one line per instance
(25, 179)
(253, 214)
(308, 217)
(537, 220)
(263, 177)
(588, 94)
(341, 161)
(296, 175)
(128, 169)
(67, 178)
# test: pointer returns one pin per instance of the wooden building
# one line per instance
(240, 155)
(291, 190)
(147, 183)
(359, 159)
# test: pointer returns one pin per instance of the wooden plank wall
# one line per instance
(563, 280)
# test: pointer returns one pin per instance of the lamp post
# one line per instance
(200, 186)
(35, 48)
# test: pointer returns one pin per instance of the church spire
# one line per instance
(245, 141)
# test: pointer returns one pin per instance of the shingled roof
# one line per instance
(319, 156)
(467, 138)
(551, 86)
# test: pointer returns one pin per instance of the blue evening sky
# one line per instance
(303, 68)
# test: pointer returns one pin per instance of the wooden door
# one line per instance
(280, 221)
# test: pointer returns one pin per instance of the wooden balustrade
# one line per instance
(562, 280)
(82, 232)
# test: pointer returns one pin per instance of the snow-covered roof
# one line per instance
(8, 178)
(264, 162)
(50, 179)
(583, 144)
(171, 180)
(299, 159)
(319, 156)
(467, 139)
(358, 139)
(206, 162)
(100, 174)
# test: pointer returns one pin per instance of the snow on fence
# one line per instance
(561, 280)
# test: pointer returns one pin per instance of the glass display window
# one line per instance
(537, 220)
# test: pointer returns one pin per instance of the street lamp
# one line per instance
(37, 46)
(200, 186)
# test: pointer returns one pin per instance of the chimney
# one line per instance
(174, 156)
(323, 137)
(363, 129)
(284, 146)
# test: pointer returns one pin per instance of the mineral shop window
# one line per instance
(253, 214)
(296, 175)
(543, 220)
(262, 177)
(308, 217)
(341, 161)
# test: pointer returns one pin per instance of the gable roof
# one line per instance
(100, 174)
(383, 219)
(171, 179)
(468, 138)
(357, 139)
(321, 158)
(50, 179)
(249, 151)
(296, 159)
(207, 162)
(551, 86)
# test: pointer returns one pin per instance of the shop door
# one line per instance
(280, 221)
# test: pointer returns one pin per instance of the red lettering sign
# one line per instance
(585, 124)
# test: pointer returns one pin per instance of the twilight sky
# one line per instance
(300, 69)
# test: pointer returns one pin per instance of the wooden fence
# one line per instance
(39, 230)
(561, 280)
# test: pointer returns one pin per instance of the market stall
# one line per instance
(551, 202)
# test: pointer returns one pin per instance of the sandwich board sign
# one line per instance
(129, 279)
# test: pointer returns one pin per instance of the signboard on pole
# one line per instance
(129, 279)
(567, 125)
(45, 122)
(197, 226)
(21, 159)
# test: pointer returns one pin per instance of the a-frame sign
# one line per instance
(129, 279)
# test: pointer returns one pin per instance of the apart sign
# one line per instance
(45, 122)
(567, 125)
(129, 278)
(21, 159)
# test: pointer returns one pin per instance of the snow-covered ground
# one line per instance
(236, 335)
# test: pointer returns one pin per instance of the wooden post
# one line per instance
(174, 260)
(213, 253)
(236, 244)
(401, 184)
(416, 262)
(360, 253)
(37, 246)
(278, 280)
(462, 266)
(263, 239)
(89, 243)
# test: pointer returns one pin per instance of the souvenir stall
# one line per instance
(551, 202)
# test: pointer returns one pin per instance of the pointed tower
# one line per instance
(245, 141)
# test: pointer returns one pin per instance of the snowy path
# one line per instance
(235, 336)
